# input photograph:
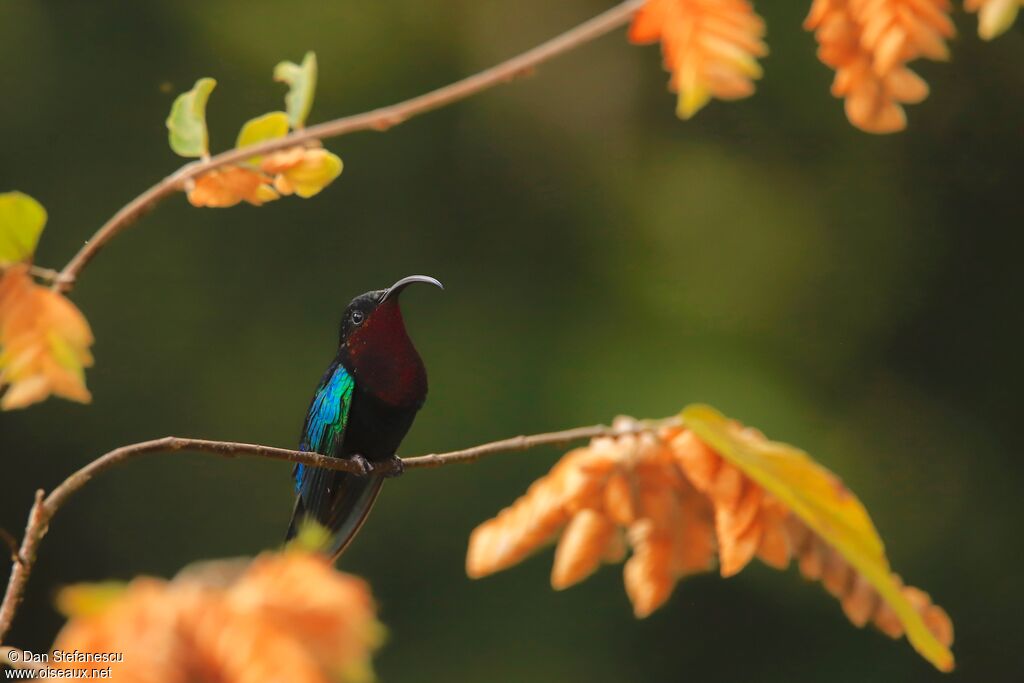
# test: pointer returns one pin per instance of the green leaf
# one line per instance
(186, 123)
(301, 80)
(312, 537)
(818, 498)
(21, 222)
(995, 18)
(88, 599)
(266, 127)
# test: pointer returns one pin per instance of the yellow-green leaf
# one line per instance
(311, 173)
(819, 498)
(301, 81)
(67, 356)
(21, 222)
(312, 537)
(996, 17)
(87, 599)
(186, 124)
(266, 127)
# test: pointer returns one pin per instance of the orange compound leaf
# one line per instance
(284, 617)
(681, 495)
(869, 43)
(748, 523)
(141, 626)
(302, 171)
(861, 602)
(222, 646)
(44, 343)
(615, 492)
(330, 613)
(537, 517)
(225, 187)
(710, 46)
(803, 510)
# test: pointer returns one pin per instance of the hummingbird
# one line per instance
(363, 407)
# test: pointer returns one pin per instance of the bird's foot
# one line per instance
(394, 467)
(362, 465)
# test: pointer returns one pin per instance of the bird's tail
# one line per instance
(338, 501)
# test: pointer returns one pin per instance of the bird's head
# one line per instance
(376, 348)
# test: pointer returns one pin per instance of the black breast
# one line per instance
(375, 428)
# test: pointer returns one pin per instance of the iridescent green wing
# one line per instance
(328, 414)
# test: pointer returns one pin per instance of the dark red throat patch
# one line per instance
(383, 359)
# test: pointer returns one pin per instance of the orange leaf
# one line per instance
(628, 483)
(330, 613)
(648, 573)
(694, 542)
(740, 507)
(227, 186)
(223, 645)
(302, 171)
(534, 519)
(828, 528)
(584, 544)
(860, 600)
(680, 494)
(284, 617)
(774, 548)
(869, 43)
(141, 624)
(44, 343)
(710, 46)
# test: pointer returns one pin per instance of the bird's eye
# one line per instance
(357, 317)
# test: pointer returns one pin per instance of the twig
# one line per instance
(46, 507)
(378, 119)
(49, 274)
(523, 443)
(20, 570)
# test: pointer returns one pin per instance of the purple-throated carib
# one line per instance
(362, 409)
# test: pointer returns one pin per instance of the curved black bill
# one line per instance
(406, 281)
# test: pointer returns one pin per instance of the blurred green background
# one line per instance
(855, 295)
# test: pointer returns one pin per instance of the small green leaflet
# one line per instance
(262, 128)
(21, 222)
(186, 124)
(312, 538)
(301, 81)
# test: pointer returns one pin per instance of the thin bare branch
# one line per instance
(46, 507)
(522, 443)
(49, 274)
(21, 568)
(380, 119)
